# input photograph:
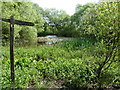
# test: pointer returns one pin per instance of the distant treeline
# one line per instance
(91, 20)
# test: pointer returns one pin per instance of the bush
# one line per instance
(28, 35)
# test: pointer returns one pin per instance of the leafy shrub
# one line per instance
(77, 43)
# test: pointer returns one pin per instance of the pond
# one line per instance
(50, 39)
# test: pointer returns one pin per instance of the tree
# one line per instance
(21, 11)
(54, 20)
(39, 18)
(102, 22)
(76, 23)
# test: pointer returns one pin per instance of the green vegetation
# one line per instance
(89, 60)
(64, 65)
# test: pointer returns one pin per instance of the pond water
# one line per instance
(51, 36)
(51, 39)
(50, 42)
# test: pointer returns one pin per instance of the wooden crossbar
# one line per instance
(18, 22)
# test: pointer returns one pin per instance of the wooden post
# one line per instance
(12, 48)
(12, 22)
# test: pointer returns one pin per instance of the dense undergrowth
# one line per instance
(72, 64)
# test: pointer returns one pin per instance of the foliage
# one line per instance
(21, 11)
(70, 67)
(71, 24)
(77, 43)
(101, 22)
(53, 21)
(29, 37)
(90, 60)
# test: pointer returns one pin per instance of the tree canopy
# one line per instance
(95, 20)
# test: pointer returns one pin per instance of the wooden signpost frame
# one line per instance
(12, 22)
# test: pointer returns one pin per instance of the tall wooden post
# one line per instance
(12, 48)
(12, 22)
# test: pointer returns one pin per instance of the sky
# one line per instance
(66, 5)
